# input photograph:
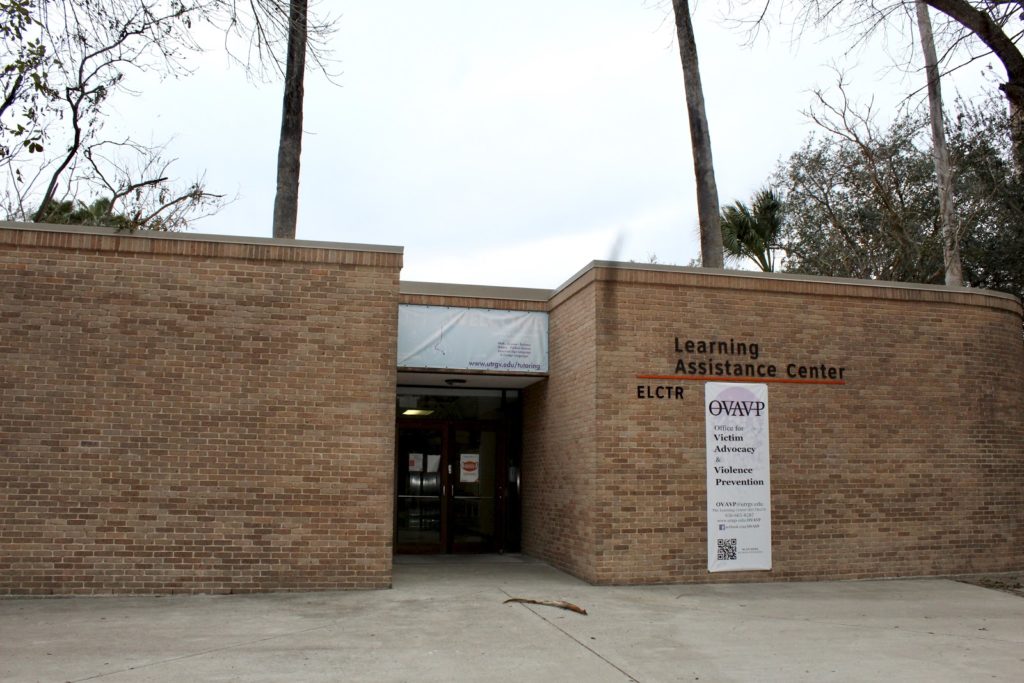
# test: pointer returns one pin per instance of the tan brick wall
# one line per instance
(560, 508)
(186, 415)
(914, 467)
(180, 414)
(472, 302)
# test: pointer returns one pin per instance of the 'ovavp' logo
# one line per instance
(736, 408)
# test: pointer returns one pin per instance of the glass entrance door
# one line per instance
(420, 481)
(474, 487)
(449, 488)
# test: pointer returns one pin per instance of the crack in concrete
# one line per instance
(576, 640)
(200, 653)
(915, 630)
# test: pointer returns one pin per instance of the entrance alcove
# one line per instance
(457, 470)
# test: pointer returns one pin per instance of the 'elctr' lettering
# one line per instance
(663, 392)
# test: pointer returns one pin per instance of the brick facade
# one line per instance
(561, 516)
(185, 415)
(914, 467)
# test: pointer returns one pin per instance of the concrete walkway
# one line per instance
(445, 621)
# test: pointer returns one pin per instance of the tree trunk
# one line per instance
(286, 201)
(990, 33)
(711, 252)
(943, 174)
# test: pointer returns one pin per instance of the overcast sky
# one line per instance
(506, 143)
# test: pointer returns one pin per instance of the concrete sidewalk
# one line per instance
(445, 621)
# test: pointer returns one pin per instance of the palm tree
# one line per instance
(264, 26)
(700, 140)
(753, 232)
(289, 151)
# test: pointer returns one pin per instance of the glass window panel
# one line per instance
(474, 505)
(418, 508)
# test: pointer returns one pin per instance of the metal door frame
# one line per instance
(447, 429)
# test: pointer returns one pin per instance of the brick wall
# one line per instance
(195, 414)
(184, 414)
(914, 467)
(561, 516)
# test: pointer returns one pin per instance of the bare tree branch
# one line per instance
(90, 49)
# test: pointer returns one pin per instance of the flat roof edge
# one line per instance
(474, 291)
(201, 237)
(784, 277)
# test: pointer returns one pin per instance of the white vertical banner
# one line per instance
(738, 472)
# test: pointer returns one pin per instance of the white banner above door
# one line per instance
(450, 338)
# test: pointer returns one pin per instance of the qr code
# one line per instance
(727, 548)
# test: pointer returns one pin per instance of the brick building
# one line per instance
(195, 413)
